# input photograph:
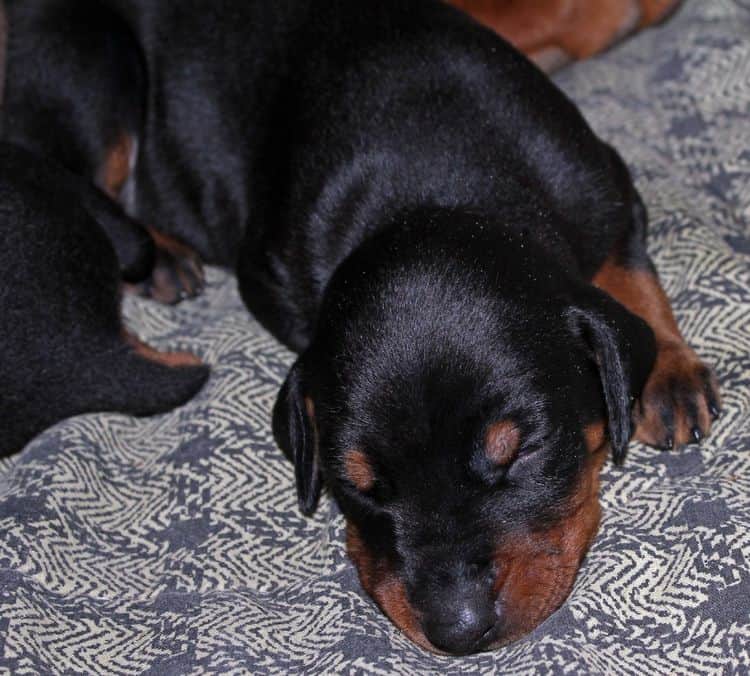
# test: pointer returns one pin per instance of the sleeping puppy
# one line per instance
(63, 349)
(458, 260)
(554, 32)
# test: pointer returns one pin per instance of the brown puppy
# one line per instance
(555, 32)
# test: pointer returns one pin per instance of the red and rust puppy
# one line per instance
(555, 32)
(459, 261)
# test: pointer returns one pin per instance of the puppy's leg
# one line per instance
(176, 270)
(177, 273)
(87, 113)
(117, 377)
(63, 348)
(681, 397)
(135, 378)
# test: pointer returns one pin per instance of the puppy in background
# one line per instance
(67, 249)
(555, 32)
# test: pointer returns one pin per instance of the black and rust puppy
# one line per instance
(76, 92)
(63, 350)
(458, 259)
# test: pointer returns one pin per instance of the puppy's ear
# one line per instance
(624, 349)
(296, 434)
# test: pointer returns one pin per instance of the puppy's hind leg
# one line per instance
(132, 377)
(63, 351)
(176, 271)
(152, 264)
(115, 375)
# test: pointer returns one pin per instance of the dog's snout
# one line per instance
(462, 628)
(460, 617)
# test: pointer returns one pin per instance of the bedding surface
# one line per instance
(174, 545)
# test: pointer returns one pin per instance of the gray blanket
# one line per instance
(174, 544)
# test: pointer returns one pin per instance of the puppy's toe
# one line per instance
(680, 400)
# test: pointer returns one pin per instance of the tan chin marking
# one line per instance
(382, 584)
(537, 570)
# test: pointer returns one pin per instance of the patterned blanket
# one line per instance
(174, 544)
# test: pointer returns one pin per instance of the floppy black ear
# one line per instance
(295, 433)
(624, 349)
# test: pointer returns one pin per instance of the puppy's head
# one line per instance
(460, 414)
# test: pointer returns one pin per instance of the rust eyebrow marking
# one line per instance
(359, 470)
(502, 441)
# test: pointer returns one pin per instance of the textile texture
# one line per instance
(174, 544)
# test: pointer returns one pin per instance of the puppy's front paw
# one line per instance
(680, 400)
(177, 273)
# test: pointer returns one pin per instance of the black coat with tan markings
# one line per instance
(63, 348)
(460, 263)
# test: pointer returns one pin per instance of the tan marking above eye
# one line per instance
(359, 470)
(502, 441)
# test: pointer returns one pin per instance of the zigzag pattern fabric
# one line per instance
(174, 545)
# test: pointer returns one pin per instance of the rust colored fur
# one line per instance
(116, 168)
(380, 582)
(359, 470)
(173, 359)
(552, 32)
(536, 571)
(502, 441)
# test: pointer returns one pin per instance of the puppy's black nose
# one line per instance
(465, 628)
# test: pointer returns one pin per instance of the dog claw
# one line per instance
(177, 274)
(679, 402)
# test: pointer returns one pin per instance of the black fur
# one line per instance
(75, 81)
